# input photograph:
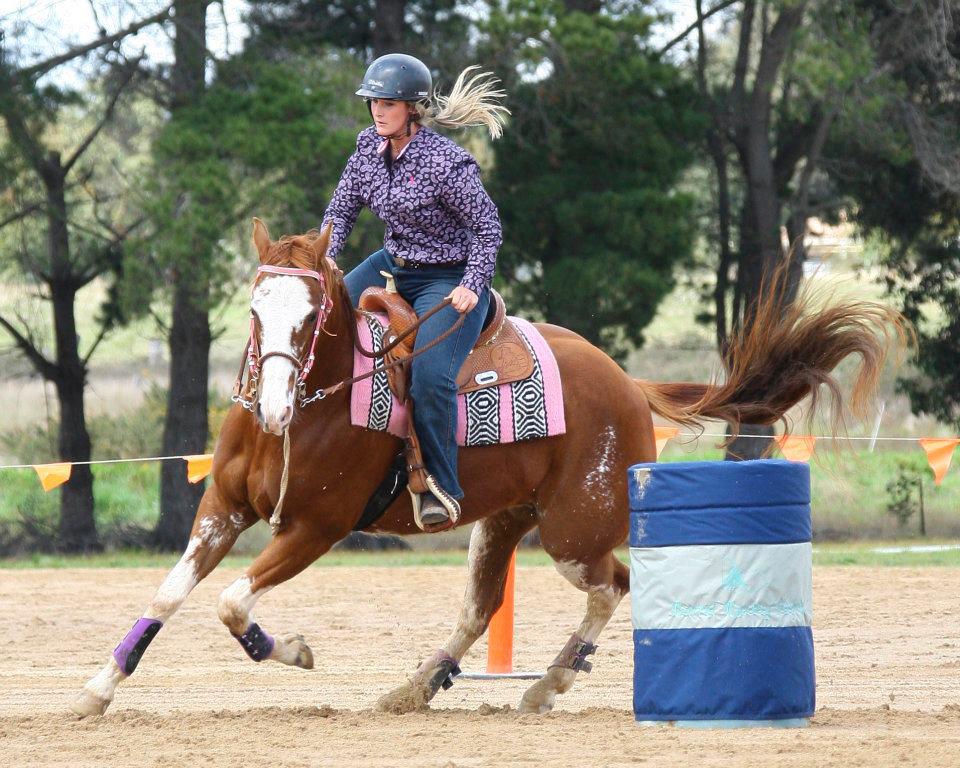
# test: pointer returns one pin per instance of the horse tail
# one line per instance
(786, 354)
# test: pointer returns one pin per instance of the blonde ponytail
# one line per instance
(473, 101)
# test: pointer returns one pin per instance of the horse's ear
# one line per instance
(322, 243)
(261, 238)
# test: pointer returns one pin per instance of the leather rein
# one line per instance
(253, 360)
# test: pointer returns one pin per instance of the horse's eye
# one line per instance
(312, 318)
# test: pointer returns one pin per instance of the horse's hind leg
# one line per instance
(492, 542)
(215, 529)
(605, 581)
(288, 553)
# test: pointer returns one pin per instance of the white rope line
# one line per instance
(96, 461)
(817, 437)
(696, 435)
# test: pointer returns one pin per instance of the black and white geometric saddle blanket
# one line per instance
(503, 413)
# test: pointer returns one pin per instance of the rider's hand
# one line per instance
(463, 299)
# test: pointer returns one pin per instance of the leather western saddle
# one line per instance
(500, 356)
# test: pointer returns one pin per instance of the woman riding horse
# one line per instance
(571, 486)
(441, 240)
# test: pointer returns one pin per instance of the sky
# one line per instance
(36, 29)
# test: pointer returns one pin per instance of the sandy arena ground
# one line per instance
(888, 664)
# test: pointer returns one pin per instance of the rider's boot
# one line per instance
(433, 508)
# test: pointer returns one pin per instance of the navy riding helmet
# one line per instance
(398, 77)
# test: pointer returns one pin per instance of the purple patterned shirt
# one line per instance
(431, 199)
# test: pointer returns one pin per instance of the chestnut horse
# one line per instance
(572, 486)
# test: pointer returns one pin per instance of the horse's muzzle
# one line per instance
(275, 425)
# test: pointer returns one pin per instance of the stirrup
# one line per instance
(449, 503)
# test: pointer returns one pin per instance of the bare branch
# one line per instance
(43, 67)
(936, 147)
(724, 4)
(104, 330)
(743, 50)
(22, 213)
(815, 150)
(104, 119)
(161, 323)
(90, 231)
(20, 134)
(43, 366)
(96, 17)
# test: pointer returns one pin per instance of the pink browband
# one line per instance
(254, 360)
(291, 271)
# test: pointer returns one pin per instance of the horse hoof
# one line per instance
(293, 651)
(538, 699)
(409, 697)
(88, 704)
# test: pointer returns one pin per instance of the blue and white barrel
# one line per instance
(721, 593)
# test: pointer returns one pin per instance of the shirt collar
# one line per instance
(415, 141)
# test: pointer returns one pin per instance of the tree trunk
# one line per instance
(760, 249)
(185, 430)
(77, 527)
(389, 27)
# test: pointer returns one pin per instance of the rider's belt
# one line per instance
(409, 264)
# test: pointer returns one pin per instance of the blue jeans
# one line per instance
(434, 385)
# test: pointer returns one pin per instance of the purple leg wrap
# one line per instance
(131, 648)
(257, 643)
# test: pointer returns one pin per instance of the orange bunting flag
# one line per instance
(53, 475)
(199, 466)
(939, 452)
(796, 447)
(663, 435)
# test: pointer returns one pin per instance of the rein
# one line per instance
(320, 394)
(253, 361)
(397, 339)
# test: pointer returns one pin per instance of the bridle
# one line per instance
(253, 363)
(253, 360)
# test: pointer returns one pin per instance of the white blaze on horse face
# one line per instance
(282, 303)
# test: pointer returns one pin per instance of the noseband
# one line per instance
(254, 359)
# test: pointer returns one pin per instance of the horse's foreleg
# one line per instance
(605, 582)
(215, 529)
(287, 554)
(492, 542)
